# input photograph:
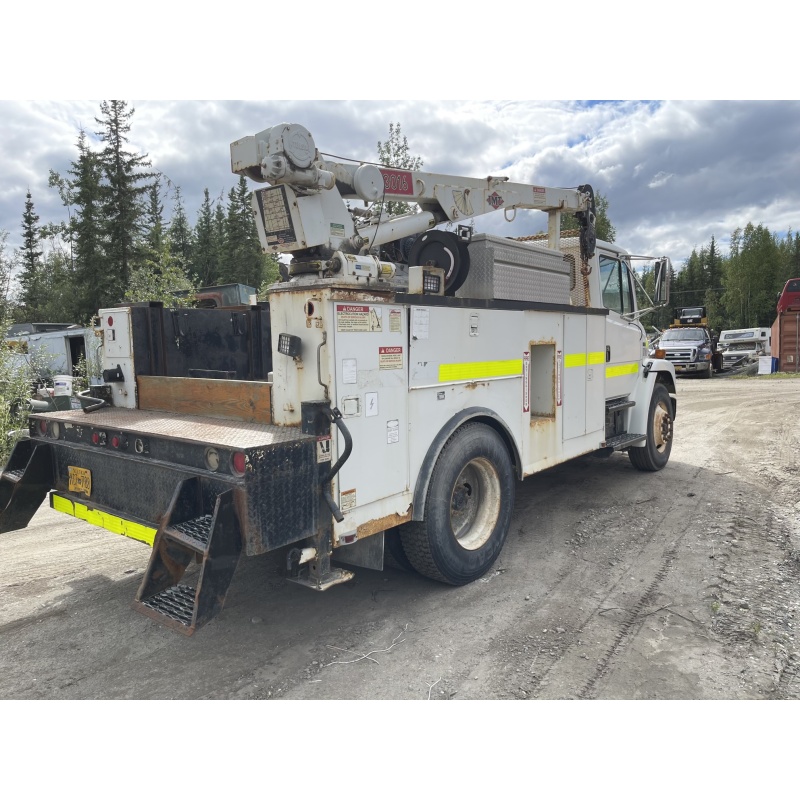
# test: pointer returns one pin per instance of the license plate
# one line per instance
(80, 480)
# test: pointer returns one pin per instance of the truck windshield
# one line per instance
(682, 335)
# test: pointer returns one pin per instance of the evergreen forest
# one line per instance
(116, 242)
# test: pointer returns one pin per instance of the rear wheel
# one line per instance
(468, 508)
(394, 555)
(655, 454)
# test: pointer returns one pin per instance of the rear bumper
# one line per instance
(130, 491)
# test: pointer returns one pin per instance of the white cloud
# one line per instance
(675, 172)
(659, 179)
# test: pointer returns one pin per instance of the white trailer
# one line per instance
(744, 346)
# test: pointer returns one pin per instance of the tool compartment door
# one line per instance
(371, 355)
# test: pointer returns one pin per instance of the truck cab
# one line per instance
(688, 344)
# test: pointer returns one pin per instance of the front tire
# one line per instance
(468, 508)
(655, 454)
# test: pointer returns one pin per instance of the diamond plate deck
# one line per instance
(211, 430)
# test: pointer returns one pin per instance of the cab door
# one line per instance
(624, 338)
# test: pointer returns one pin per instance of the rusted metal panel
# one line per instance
(383, 524)
(786, 341)
(249, 401)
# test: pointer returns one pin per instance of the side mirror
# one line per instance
(661, 289)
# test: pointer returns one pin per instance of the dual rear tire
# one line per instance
(468, 509)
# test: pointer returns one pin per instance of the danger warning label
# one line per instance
(390, 357)
(358, 318)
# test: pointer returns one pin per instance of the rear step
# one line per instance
(192, 530)
(619, 404)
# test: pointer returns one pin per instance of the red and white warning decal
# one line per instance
(390, 357)
(559, 366)
(352, 318)
(526, 382)
(323, 449)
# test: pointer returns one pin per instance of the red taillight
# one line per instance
(115, 441)
(42, 427)
(95, 438)
(111, 322)
(238, 463)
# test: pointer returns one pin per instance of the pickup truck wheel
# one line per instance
(468, 509)
(655, 454)
(709, 372)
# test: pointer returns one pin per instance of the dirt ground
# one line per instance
(613, 584)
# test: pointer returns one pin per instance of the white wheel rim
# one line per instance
(475, 504)
(662, 428)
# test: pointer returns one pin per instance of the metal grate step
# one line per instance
(624, 440)
(198, 529)
(177, 603)
(619, 404)
(13, 474)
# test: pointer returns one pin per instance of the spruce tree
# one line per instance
(154, 222)
(203, 263)
(219, 244)
(81, 194)
(126, 183)
(30, 257)
(245, 261)
(179, 235)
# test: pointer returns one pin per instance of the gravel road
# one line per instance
(613, 584)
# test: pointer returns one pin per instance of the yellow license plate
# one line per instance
(80, 480)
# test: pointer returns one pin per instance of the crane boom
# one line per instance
(304, 212)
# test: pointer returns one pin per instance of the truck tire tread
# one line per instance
(649, 458)
(431, 545)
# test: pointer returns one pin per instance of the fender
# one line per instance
(486, 415)
(655, 370)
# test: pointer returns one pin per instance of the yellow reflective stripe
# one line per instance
(124, 527)
(575, 360)
(475, 370)
(597, 358)
(61, 504)
(622, 369)
(582, 359)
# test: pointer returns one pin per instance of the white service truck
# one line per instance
(400, 383)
